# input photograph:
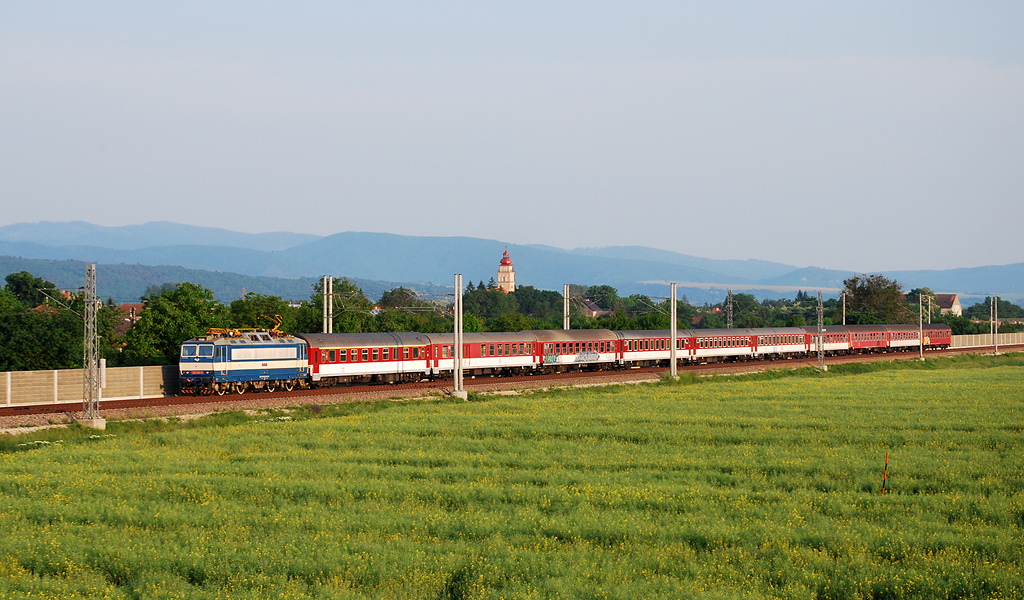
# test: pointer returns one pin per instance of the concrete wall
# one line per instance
(975, 341)
(54, 387)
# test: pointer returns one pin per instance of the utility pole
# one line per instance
(995, 322)
(844, 307)
(929, 310)
(328, 286)
(90, 357)
(459, 389)
(991, 319)
(819, 341)
(920, 325)
(728, 311)
(675, 335)
(565, 311)
(330, 304)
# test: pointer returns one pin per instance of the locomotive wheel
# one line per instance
(221, 390)
(239, 388)
(289, 386)
(271, 386)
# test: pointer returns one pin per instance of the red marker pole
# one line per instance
(885, 475)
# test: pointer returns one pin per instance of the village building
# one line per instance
(506, 274)
(949, 303)
(589, 308)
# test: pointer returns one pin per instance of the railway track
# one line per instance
(363, 392)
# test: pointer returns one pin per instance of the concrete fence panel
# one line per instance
(50, 387)
(985, 339)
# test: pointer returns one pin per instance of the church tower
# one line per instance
(506, 274)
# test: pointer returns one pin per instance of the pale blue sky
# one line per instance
(894, 134)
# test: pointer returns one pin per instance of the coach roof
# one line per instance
(364, 340)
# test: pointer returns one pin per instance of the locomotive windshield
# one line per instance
(191, 351)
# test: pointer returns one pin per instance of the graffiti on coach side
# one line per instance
(582, 357)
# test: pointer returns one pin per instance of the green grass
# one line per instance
(761, 486)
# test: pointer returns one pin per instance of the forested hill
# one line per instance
(126, 283)
(282, 263)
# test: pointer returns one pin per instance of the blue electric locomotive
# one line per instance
(236, 361)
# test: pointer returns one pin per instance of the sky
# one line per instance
(862, 136)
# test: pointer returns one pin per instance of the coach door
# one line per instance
(220, 365)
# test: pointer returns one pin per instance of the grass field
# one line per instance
(755, 487)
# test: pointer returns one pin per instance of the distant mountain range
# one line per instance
(286, 264)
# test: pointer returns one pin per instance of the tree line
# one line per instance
(41, 327)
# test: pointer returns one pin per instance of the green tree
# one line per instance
(509, 322)
(874, 299)
(712, 320)
(31, 291)
(257, 311)
(604, 296)
(401, 297)
(796, 320)
(171, 317)
(982, 311)
(541, 304)
(351, 309)
(471, 324)
(488, 304)
(9, 304)
(35, 340)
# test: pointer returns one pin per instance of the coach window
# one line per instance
(343, 355)
(376, 354)
(330, 356)
(386, 354)
(415, 353)
(405, 354)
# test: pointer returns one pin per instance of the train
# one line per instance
(239, 361)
